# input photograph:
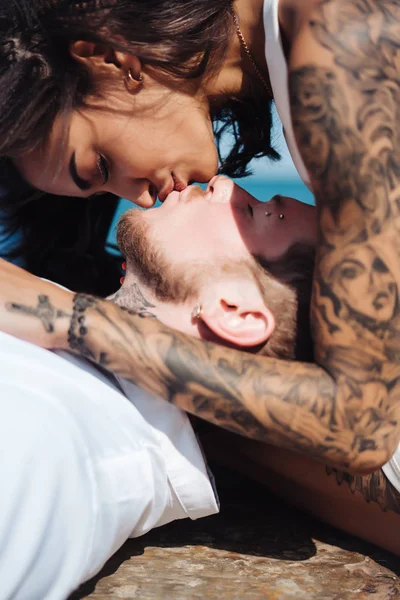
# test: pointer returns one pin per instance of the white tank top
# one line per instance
(278, 73)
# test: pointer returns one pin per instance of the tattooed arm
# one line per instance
(284, 403)
(343, 410)
(346, 109)
(345, 98)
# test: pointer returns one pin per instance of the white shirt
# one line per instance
(278, 74)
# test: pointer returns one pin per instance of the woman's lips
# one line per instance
(179, 184)
(175, 184)
(166, 190)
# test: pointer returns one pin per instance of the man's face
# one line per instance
(197, 248)
(225, 222)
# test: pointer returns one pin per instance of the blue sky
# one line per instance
(284, 169)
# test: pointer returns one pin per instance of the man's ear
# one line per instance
(234, 310)
(103, 60)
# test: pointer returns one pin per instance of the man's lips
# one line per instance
(191, 192)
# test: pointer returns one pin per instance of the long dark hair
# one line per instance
(180, 39)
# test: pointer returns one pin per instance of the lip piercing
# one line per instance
(197, 311)
(268, 214)
(281, 216)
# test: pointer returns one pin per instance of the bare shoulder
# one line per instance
(294, 14)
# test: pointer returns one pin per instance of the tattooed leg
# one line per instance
(374, 488)
(304, 483)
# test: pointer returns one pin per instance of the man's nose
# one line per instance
(220, 188)
(216, 180)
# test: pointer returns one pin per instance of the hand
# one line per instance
(32, 309)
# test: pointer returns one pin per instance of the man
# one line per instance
(91, 436)
(200, 273)
(87, 459)
(243, 273)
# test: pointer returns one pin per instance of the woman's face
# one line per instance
(134, 146)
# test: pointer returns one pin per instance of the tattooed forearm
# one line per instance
(374, 487)
(289, 404)
(45, 311)
(345, 101)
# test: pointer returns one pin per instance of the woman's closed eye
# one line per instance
(103, 168)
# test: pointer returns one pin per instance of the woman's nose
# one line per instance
(141, 192)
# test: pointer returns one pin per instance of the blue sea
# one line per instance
(261, 188)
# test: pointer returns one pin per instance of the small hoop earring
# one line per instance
(132, 83)
(197, 312)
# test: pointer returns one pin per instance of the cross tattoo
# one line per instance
(45, 311)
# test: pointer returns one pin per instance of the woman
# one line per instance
(124, 96)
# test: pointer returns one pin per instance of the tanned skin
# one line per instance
(343, 410)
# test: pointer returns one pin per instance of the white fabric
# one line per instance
(278, 74)
(82, 468)
(392, 469)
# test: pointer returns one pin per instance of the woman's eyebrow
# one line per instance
(82, 184)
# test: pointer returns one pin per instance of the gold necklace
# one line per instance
(266, 84)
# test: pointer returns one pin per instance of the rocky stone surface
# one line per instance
(256, 548)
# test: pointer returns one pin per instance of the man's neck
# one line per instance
(135, 296)
(131, 296)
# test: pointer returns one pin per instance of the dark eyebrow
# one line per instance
(82, 184)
